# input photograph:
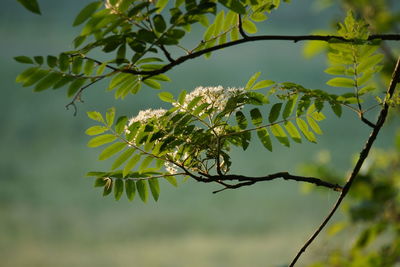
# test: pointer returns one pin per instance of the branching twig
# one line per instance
(77, 96)
(246, 180)
(166, 53)
(294, 38)
(240, 26)
(363, 155)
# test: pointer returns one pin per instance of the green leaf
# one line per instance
(252, 80)
(130, 189)
(63, 81)
(336, 70)
(77, 65)
(35, 77)
(256, 117)
(337, 109)
(123, 157)
(118, 188)
(241, 120)
(292, 131)
(369, 62)
(263, 135)
(145, 163)
(161, 4)
(280, 134)
(151, 83)
(89, 66)
(121, 124)
(341, 82)
(249, 26)
(111, 150)
(22, 77)
(86, 12)
(154, 188)
(101, 140)
(314, 126)
(159, 23)
(172, 180)
(75, 86)
(95, 115)
(39, 60)
(100, 182)
(110, 115)
(131, 163)
(229, 21)
(289, 107)
(219, 22)
(142, 189)
(318, 116)
(234, 5)
(48, 81)
(24, 60)
(63, 62)
(79, 40)
(365, 78)
(166, 97)
(31, 5)
(121, 54)
(304, 129)
(118, 79)
(161, 77)
(95, 130)
(182, 97)
(52, 61)
(235, 34)
(274, 113)
(262, 84)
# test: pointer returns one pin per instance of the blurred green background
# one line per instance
(50, 214)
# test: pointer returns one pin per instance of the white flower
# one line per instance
(171, 168)
(146, 115)
(112, 7)
(217, 97)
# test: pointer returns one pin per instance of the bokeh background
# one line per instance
(50, 214)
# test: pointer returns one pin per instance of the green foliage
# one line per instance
(372, 209)
(193, 139)
(31, 5)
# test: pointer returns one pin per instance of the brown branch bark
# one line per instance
(247, 180)
(363, 155)
(294, 38)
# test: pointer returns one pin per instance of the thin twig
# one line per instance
(166, 53)
(240, 26)
(79, 93)
(363, 155)
(247, 180)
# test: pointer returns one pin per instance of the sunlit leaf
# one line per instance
(280, 134)
(111, 150)
(101, 140)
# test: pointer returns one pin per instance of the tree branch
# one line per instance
(294, 38)
(363, 155)
(246, 180)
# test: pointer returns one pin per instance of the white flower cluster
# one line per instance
(171, 168)
(217, 96)
(145, 115)
(111, 6)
